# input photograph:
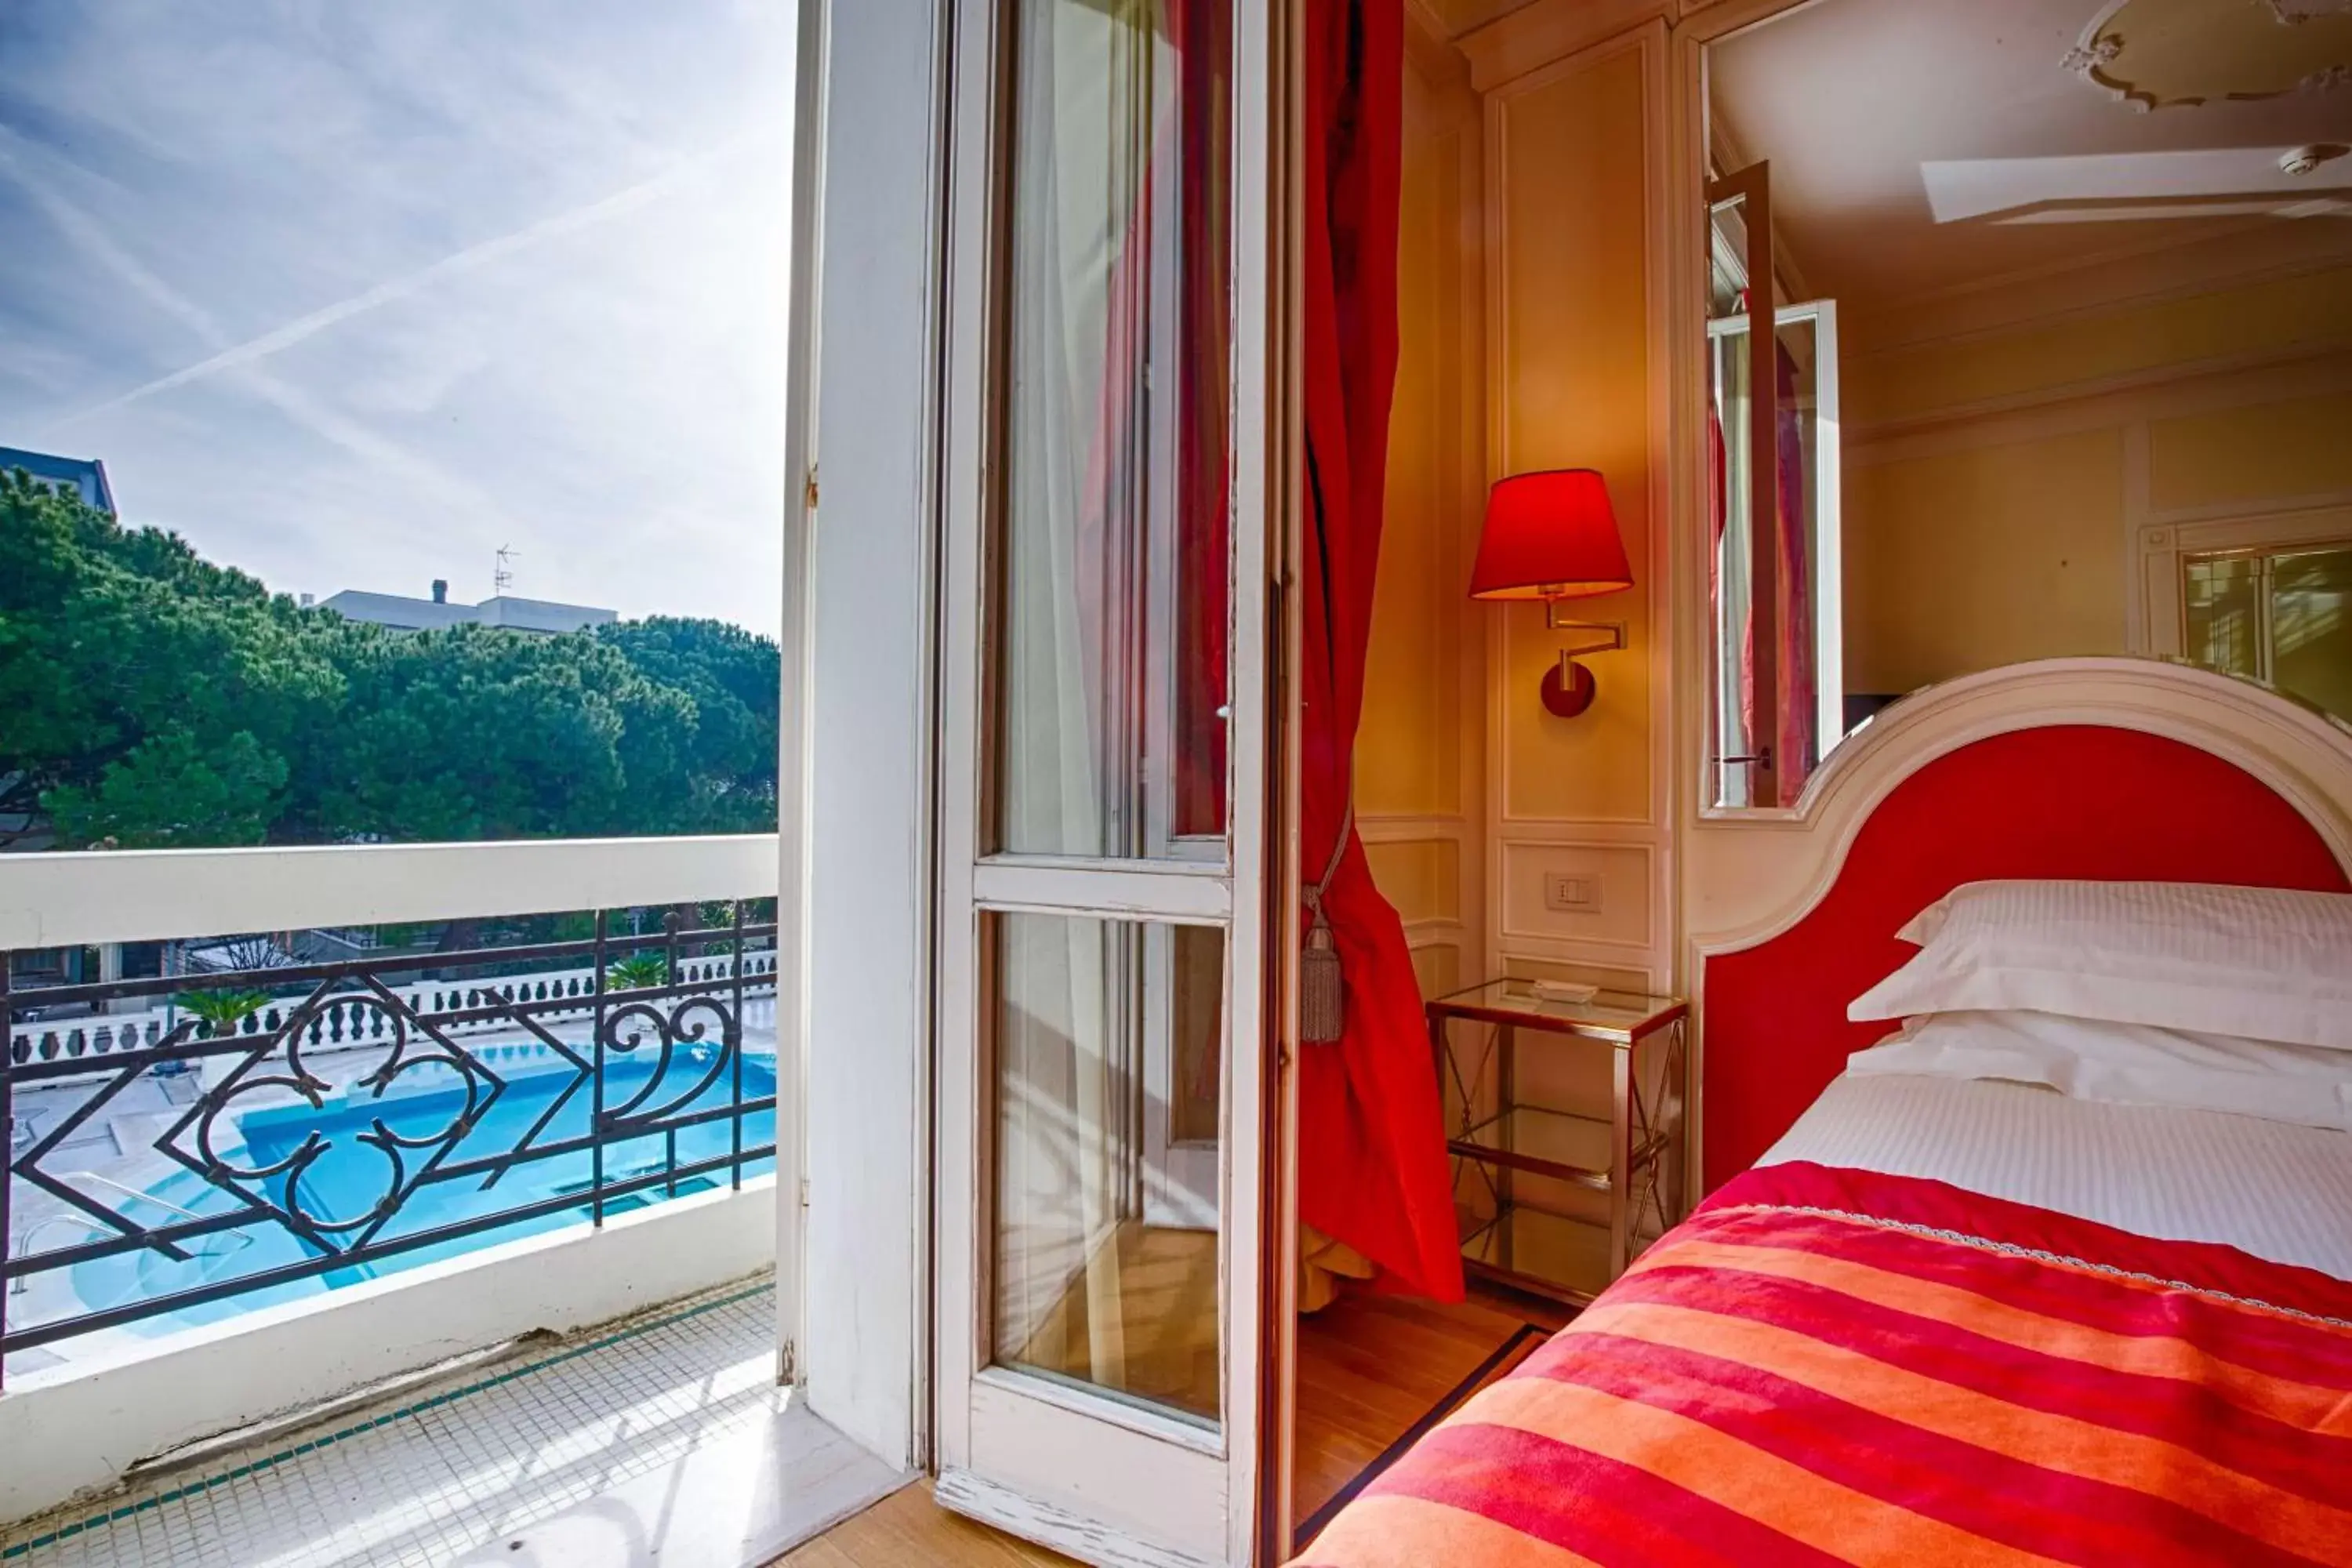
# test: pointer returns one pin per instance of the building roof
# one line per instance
(85, 475)
(397, 610)
(404, 614)
(541, 615)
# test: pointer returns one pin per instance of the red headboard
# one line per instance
(2068, 800)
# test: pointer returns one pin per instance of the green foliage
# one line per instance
(113, 637)
(638, 972)
(170, 793)
(148, 698)
(735, 680)
(222, 1011)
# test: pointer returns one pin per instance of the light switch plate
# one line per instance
(1568, 894)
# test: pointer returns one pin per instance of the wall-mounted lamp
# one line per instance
(1552, 536)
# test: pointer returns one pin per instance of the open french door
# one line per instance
(1102, 1019)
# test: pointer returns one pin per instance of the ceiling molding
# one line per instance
(2097, 283)
(1535, 35)
(1432, 56)
(2140, 52)
(2170, 392)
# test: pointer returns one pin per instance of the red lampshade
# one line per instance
(1550, 535)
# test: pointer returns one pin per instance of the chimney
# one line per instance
(440, 590)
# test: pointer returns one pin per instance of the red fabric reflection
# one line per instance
(1203, 33)
(1373, 1168)
(1795, 747)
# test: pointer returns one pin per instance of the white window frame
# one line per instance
(2160, 549)
(1825, 556)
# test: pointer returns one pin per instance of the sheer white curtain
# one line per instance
(1071, 693)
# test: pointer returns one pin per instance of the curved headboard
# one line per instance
(2122, 770)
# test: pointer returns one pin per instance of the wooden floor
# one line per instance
(907, 1530)
(1372, 1367)
(1160, 1288)
(1369, 1369)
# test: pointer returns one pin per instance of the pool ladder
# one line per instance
(31, 1233)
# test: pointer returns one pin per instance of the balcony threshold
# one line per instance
(665, 1441)
(331, 1414)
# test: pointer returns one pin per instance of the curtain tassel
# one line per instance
(1322, 993)
(1322, 988)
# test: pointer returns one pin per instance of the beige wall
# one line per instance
(1574, 157)
(1959, 560)
(2003, 486)
(1420, 755)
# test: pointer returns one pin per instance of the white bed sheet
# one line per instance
(2277, 1191)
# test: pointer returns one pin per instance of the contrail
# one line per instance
(91, 237)
(471, 259)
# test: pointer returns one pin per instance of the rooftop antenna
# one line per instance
(502, 576)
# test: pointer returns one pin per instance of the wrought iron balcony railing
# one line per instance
(364, 1114)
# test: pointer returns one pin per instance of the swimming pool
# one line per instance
(344, 1184)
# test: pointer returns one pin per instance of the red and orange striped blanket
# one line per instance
(1832, 1366)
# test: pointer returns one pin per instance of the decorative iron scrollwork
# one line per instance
(424, 1027)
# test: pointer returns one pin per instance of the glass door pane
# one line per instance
(2283, 616)
(1114, 517)
(2224, 597)
(1744, 717)
(1807, 630)
(1103, 839)
(1092, 1286)
(2311, 628)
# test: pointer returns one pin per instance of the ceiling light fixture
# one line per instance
(2303, 160)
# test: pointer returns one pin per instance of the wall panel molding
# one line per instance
(2318, 360)
(1629, 920)
(1547, 142)
(1535, 35)
(2119, 277)
(2188, 390)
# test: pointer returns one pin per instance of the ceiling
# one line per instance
(1455, 17)
(1917, 145)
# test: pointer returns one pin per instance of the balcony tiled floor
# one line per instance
(665, 1441)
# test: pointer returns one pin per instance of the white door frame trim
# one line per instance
(870, 547)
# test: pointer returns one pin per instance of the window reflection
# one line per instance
(1112, 573)
(1106, 1049)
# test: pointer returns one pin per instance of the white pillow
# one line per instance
(2128, 1064)
(2264, 963)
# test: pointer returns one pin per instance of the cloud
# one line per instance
(352, 296)
(88, 236)
(480, 254)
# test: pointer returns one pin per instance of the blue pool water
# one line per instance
(344, 1184)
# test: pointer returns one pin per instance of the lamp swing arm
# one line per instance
(1611, 635)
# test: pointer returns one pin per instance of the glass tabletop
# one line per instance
(1611, 1014)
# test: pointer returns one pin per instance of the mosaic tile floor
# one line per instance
(665, 1441)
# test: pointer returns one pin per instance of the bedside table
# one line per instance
(1558, 1198)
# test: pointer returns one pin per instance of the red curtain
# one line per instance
(1799, 748)
(1202, 31)
(1373, 1168)
(1795, 747)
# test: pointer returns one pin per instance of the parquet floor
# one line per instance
(907, 1530)
(1161, 1287)
(1369, 1369)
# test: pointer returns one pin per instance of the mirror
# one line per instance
(2061, 357)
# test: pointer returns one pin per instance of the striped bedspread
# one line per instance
(1832, 1367)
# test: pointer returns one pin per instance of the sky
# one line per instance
(351, 293)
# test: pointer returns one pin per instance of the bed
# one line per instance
(1934, 1313)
